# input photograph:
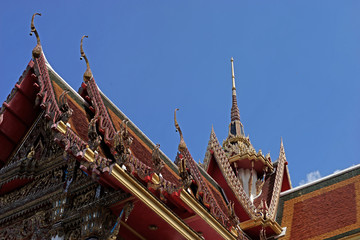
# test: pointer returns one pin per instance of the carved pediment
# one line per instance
(33, 152)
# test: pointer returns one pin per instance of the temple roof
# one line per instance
(116, 153)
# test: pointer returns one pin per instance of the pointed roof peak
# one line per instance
(212, 134)
(282, 149)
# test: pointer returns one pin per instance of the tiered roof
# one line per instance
(225, 162)
(183, 199)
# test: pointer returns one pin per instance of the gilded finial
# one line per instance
(182, 144)
(88, 73)
(235, 114)
(37, 49)
(233, 74)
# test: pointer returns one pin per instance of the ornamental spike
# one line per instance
(182, 144)
(88, 74)
(233, 74)
(37, 49)
(235, 114)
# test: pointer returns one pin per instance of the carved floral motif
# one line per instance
(38, 185)
(35, 227)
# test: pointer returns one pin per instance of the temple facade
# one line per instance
(72, 166)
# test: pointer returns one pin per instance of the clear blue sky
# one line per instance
(297, 68)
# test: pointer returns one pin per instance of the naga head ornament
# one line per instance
(37, 49)
(88, 73)
(182, 144)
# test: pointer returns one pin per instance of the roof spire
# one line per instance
(88, 73)
(235, 114)
(236, 127)
(37, 49)
(233, 74)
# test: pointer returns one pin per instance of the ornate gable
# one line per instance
(194, 182)
(75, 170)
(247, 177)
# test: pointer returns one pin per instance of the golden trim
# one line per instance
(122, 223)
(61, 127)
(352, 237)
(234, 231)
(89, 155)
(191, 218)
(155, 179)
(204, 214)
(247, 156)
(123, 202)
(152, 202)
(261, 222)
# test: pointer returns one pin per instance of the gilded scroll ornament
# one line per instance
(88, 74)
(37, 50)
(182, 144)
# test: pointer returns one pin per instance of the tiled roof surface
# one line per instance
(326, 209)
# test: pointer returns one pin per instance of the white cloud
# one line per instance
(310, 177)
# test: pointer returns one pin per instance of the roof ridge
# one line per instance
(335, 174)
(280, 169)
(72, 90)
